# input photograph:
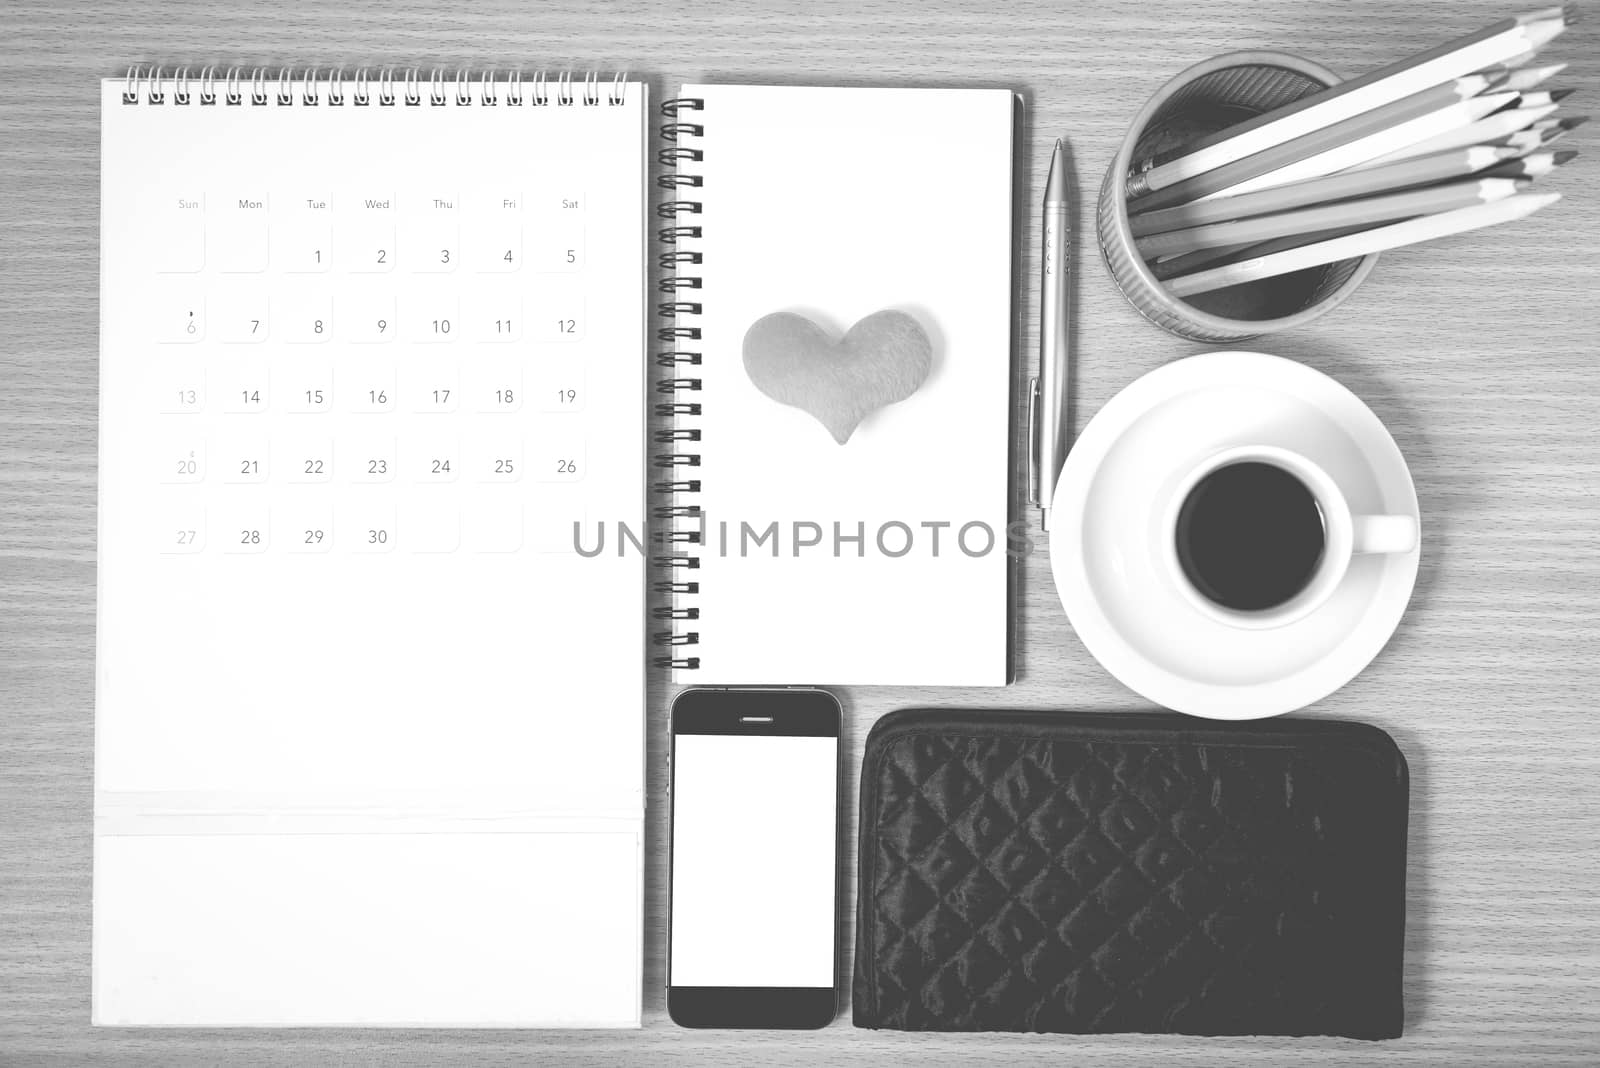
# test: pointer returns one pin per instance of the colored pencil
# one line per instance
(1544, 99)
(1522, 79)
(1551, 134)
(1461, 100)
(1497, 43)
(1410, 232)
(1425, 170)
(1537, 165)
(1550, 129)
(1530, 140)
(1211, 257)
(1483, 131)
(1539, 135)
(1429, 200)
(1351, 153)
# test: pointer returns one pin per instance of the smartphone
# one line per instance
(753, 921)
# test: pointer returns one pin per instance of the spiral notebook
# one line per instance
(882, 560)
(369, 736)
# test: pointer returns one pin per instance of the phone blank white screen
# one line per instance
(753, 878)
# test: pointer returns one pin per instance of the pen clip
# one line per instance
(1033, 440)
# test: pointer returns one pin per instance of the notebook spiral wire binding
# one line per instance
(678, 357)
(366, 86)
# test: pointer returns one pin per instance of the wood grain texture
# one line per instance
(1479, 354)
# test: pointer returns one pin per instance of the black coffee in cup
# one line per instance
(1250, 536)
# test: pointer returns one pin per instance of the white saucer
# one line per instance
(1107, 524)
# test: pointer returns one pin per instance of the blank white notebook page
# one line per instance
(888, 564)
(369, 732)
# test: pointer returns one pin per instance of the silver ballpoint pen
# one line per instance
(1047, 410)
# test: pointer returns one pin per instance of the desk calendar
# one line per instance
(370, 348)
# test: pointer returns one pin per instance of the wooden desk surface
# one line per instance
(1480, 354)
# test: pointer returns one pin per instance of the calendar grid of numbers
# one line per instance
(363, 370)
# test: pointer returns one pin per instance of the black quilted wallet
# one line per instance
(1097, 872)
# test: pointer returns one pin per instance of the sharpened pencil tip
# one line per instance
(1574, 122)
(1565, 156)
(1558, 95)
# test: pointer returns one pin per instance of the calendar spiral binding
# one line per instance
(363, 86)
(678, 313)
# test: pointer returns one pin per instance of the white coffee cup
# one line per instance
(1344, 536)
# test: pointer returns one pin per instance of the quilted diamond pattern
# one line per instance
(1094, 873)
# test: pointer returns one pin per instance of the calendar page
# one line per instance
(366, 374)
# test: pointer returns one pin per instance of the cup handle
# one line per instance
(1384, 533)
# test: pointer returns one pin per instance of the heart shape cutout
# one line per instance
(882, 359)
